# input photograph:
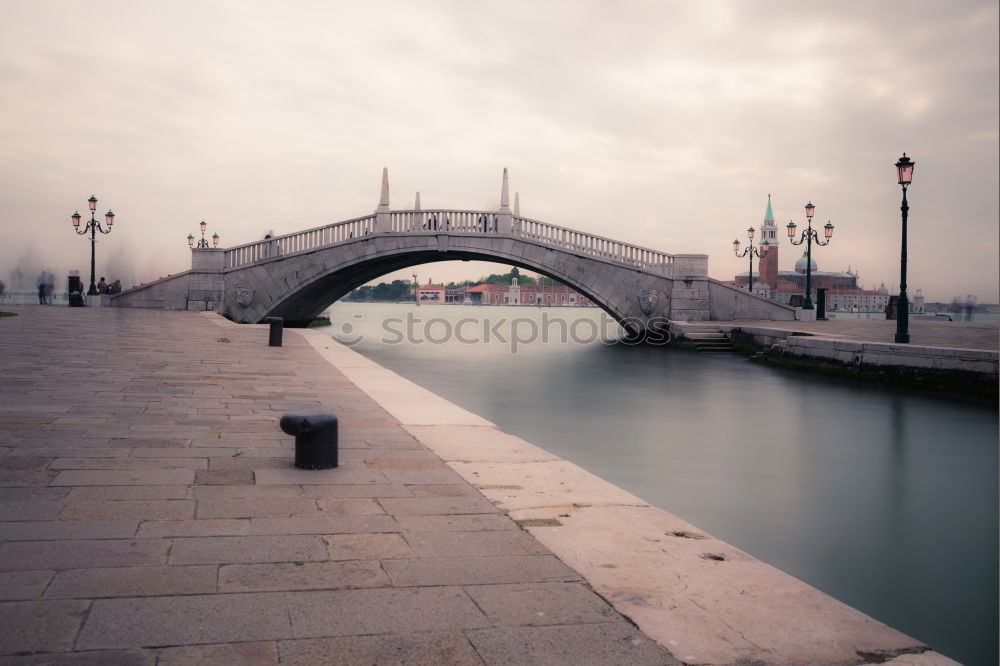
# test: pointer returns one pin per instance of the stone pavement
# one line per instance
(923, 332)
(150, 514)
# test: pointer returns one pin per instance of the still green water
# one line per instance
(883, 498)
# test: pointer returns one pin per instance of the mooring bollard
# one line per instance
(315, 438)
(274, 335)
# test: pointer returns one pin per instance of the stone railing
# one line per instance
(300, 241)
(453, 222)
(593, 246)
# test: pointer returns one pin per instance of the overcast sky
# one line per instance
(664, 124)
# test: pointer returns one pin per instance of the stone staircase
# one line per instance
(707, 338)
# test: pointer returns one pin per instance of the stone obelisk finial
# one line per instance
(505, 221)
(383, 221)
(517, 204)
(504, 194)
(383, 200)
(416, 202)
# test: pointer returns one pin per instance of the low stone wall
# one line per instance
(898, 359)
(727, 303)
(169, 293)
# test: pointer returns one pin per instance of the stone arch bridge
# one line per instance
(298, 275)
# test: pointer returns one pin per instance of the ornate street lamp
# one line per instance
(93, 226)
(760, 251)
(203, 243)
(416, 293)
(809, 236)
(904, 170)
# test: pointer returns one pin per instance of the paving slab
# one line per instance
(29, 510)
(541, 604)
(611, 644)
(47, 530)
(172, 621)
(126, 509)
(222, 550)
(323, 525)
(15, 585)
(418, 649)
(74, 554)
(138, 477)
(132, 582)
(473, 544)
(91, 658)
(226, 654)
(375, 611)
(429, 571)
(40, 626)
(301, 576)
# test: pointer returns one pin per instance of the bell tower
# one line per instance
(769, 262)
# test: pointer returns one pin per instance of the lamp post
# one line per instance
(93, 226)
(760, 251)
(416, 293)
(809, 236)
(904, 169)
(203, 243)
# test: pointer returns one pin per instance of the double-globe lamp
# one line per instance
(93, 226)
(760, 251)
(809, 236)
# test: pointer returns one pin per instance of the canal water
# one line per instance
(883, 498)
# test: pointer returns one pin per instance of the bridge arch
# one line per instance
(299, 287)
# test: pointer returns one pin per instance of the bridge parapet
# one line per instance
(594, 246)
(300, 241)
(450, 221)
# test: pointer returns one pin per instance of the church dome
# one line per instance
(882, 289)
(800, 265)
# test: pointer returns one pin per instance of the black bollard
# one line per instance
(315, 438)
(274, 336)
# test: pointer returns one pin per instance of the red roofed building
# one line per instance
(431, 293)
(515, 294)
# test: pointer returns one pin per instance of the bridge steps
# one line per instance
(708, 339)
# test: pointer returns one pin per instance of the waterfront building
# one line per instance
(455, 294)
(431, 293)
(843, 292)
(516, 294)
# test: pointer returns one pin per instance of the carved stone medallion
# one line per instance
(647, 301)
(244, 296)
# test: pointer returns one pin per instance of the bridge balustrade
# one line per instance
(310, 239)
(595, 246)
(451, 221)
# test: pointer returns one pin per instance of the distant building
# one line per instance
(431, 293)
(516, 294)
(842, 289)
(455, 294)
(769, 262)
